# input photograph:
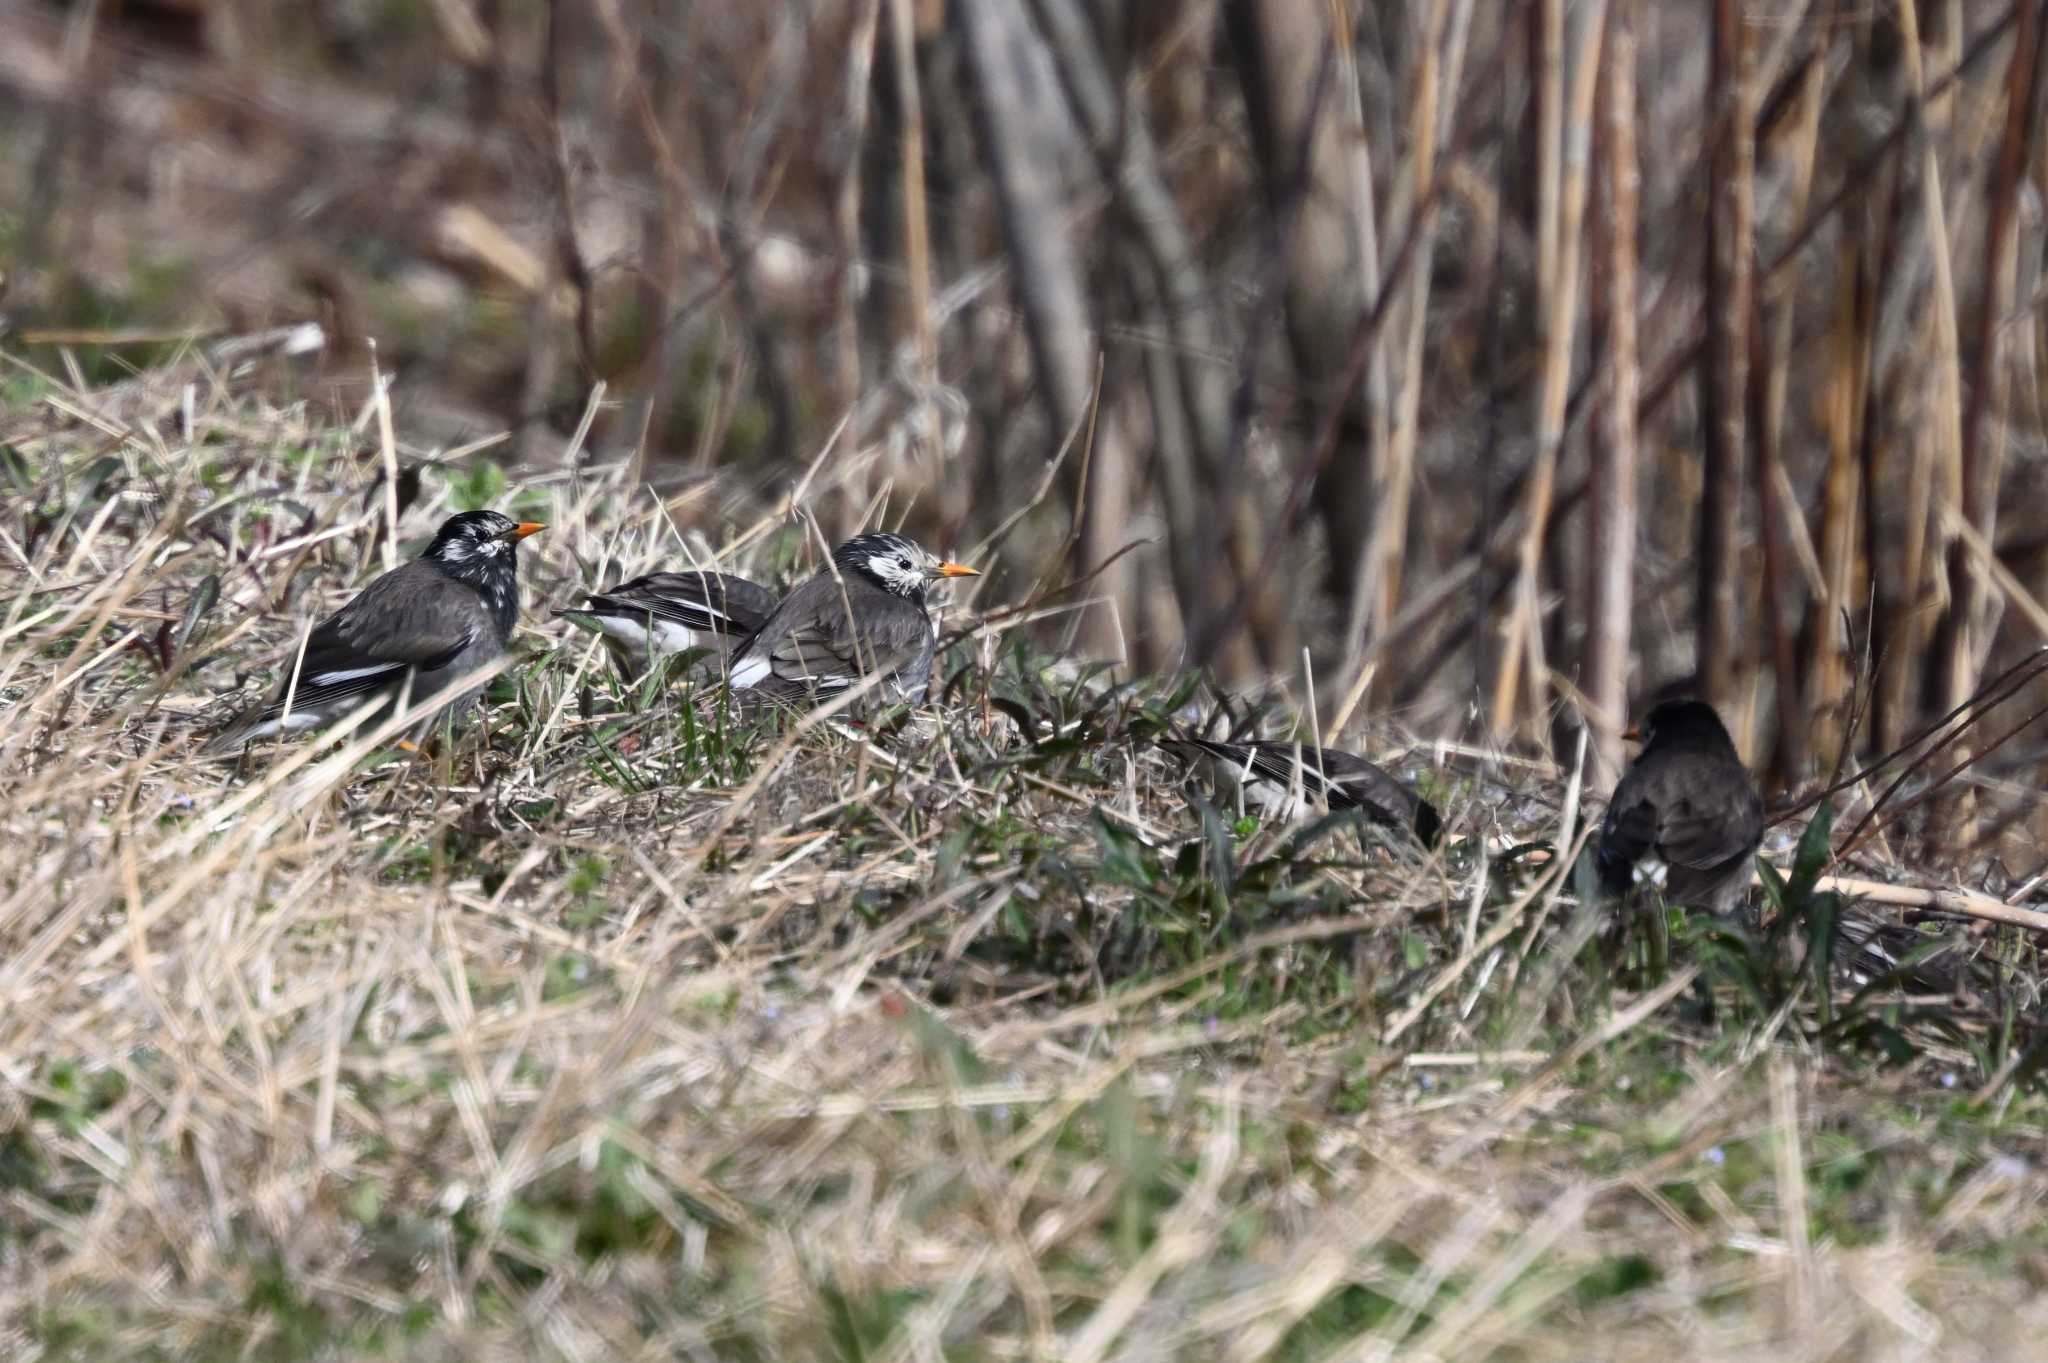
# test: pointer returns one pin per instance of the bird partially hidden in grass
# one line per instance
(1688, 802)
(1286, 780)
(863, 617)
(408, 634)
(672, 613)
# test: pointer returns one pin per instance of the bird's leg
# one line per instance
(412, 757)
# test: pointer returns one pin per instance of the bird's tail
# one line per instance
(259, 721)
(230, 739)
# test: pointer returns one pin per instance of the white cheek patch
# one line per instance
(889, 568)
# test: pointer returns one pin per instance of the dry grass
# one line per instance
(623, 1029)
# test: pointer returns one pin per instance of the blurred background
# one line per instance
(1501, 363)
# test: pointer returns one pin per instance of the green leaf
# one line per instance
(1124, 858)
(1135, 1154)
(95, 476)
(1886, 1038)
(1823, 913)
(477, 487)
(567, 974)
(1813, 854)
(941, 1042)
(1774, 889)
(588, 874)
(1216, 841)
(17, 468)
(1901, 972)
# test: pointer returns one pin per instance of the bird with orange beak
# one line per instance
(863, 620)
(407, 635)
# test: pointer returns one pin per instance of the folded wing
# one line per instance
(389, 628)
(817, 643)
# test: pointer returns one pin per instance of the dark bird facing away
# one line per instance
(1283, 777)
(673, 613)
(864, 616)
(411, 631)
(1688, 801)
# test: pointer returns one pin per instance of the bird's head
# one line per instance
(478, 535)
(1683, 723)
(896, 565)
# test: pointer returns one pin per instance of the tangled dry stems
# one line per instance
(630, 1028)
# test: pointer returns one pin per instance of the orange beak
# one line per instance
(525, 528)
(958, 570)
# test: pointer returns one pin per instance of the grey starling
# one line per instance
(410, 632)
(861, 617)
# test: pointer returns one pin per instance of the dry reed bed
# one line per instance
(629, 1035)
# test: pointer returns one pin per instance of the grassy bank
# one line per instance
(631, 1028)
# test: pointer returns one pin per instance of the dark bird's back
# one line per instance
(1687, 800)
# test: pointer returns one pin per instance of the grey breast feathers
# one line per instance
(833, 633)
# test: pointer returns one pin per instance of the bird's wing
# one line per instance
(1355, 783)
(812, 641)
(412, 617)
(1275, 762)
(1234, 758)
(1629, 830)
(1257, 761)
(1695, 817)
(831, 653)
(1711, 824)
(715, 602)
(747, 603)
(1343, 780)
